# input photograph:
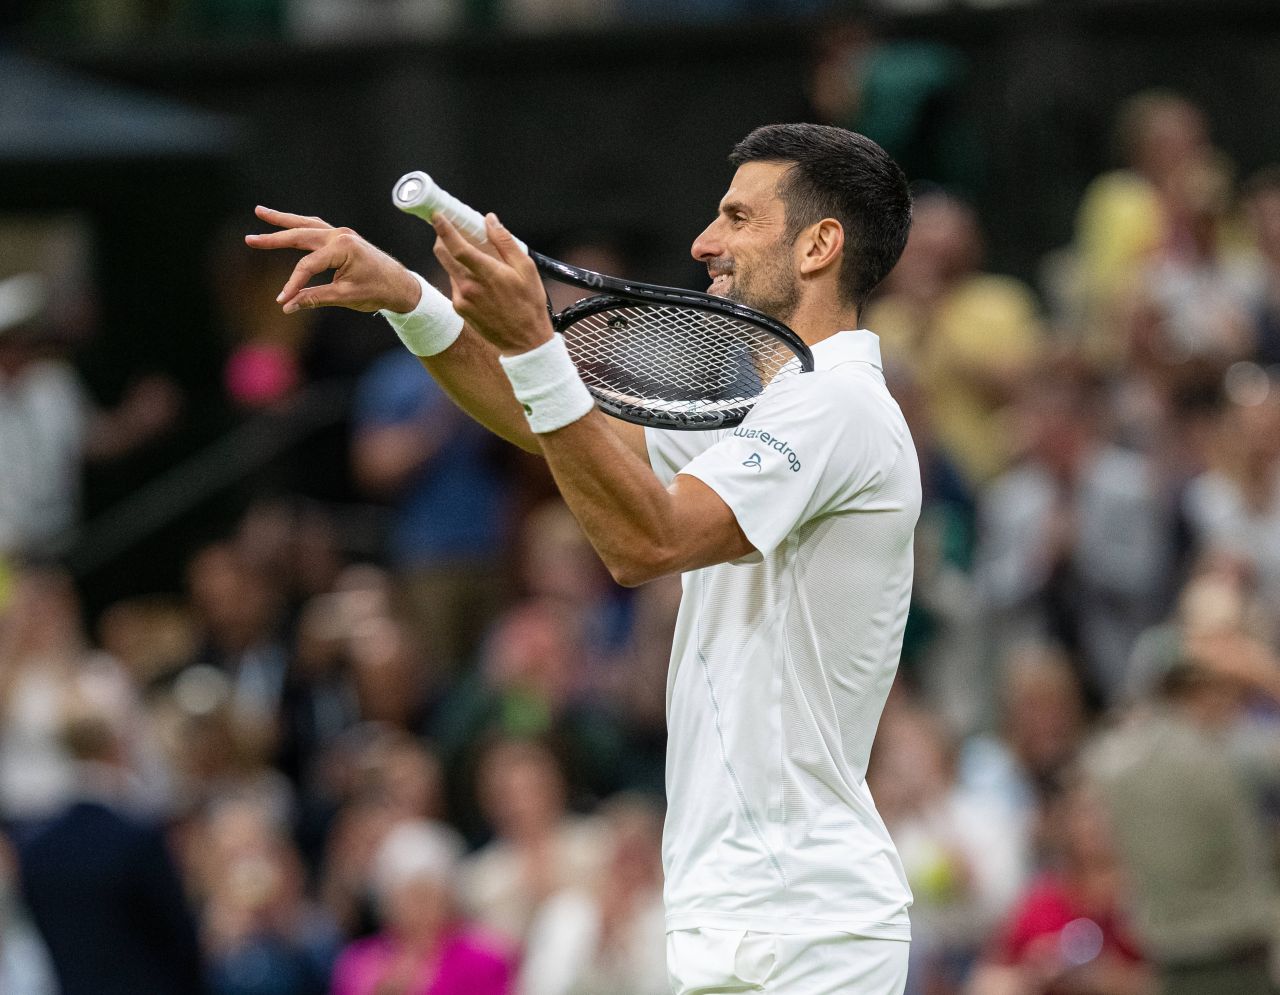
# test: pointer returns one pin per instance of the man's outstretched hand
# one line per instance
(365, 278)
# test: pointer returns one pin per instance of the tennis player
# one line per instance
(793, 532)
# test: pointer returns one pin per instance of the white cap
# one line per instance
(413, 850)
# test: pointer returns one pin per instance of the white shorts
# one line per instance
(711, 961)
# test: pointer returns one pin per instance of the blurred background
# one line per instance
(307, 685)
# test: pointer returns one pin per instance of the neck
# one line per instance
(818, 317)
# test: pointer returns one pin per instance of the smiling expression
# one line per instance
(746, 250)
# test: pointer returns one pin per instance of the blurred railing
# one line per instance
(184, 487)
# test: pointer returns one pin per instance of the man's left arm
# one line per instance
(640, 528)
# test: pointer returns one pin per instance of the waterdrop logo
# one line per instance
(753, 461)
(774, 443)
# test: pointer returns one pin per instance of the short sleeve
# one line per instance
(812, 446)
(671, 451)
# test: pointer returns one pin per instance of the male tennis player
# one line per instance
(793, 532)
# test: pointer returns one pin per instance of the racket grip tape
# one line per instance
(418, 194)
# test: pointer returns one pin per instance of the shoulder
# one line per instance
(843, 396)
(111, 836)
(845, 412)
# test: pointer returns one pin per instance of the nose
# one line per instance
(708, 245)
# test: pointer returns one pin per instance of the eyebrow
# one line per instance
(730, 206)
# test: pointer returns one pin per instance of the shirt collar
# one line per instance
(859, 346)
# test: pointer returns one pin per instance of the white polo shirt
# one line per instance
(782, 661)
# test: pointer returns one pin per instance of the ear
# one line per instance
(820, 246)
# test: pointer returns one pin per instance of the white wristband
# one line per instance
(429, 328)
(546, 382)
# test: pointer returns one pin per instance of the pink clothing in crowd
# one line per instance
(465, 963)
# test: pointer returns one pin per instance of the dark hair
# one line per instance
(842, 175)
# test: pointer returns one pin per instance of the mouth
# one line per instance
(720, 283)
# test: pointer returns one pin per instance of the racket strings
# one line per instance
(677, 360)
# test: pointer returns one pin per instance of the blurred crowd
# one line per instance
(439, 768)
(334, 20)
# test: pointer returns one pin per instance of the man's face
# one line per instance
(745, 249)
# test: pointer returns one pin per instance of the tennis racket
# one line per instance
(651, 355)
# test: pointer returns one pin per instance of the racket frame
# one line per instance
(416, 193)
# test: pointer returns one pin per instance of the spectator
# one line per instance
(239, 611)
(48, 424)
(942, 646)
(1076, 543)
(101, 884)
(152, 637)
(1187, 828)
(538, 847)
(24, 959)
(559, 567)
(261, 934)
(423, 949)
(640, 696)
(319, 699)
(609, 936)
(529, 684)
(907, 95)
(216, 752)
(45, 660)
(438, 470)
(1192, 300)
(1262, 205)
(1067, 935)
(1233, 508)
(392, 686)
(374, 777)
(962, 856)
(966, 337)
(1122, 219)
(1041, 730)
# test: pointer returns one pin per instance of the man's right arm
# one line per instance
(367, 279)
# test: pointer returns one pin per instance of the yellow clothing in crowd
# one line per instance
(984, 330)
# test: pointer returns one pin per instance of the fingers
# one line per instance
(472, 258)
(509, 250)
(325, 295)
(282, 219)
(501, 239)
(457, 272)
(291, 238)
(308, 266)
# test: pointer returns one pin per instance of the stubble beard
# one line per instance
(770, 287)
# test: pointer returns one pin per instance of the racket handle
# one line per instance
(416, 193)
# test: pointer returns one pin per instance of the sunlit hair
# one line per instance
(842, 175)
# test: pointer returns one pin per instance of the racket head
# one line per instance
(684, 364)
